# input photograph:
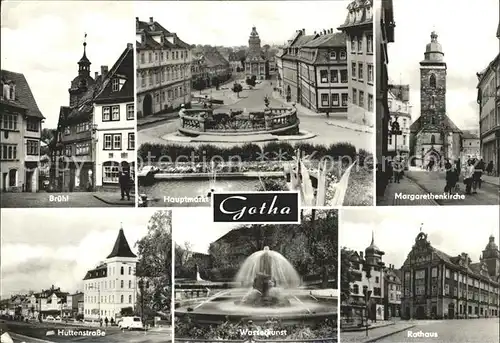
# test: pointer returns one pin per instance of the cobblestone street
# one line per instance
(76, 199)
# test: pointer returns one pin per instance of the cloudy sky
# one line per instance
(39, 249)
(199, 230)
(467, 33)
(448, 229)
(43, 40)
(229, 23)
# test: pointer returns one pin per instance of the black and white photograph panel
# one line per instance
(256, 283)
(438, 142)
(420, 276)
(276, 98)
(82, 280)
(67, 104)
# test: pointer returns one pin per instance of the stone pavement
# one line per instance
(43, 199)
(374, 334)
(494, 180)
(339, 121)
(406, 186)
(114, 198)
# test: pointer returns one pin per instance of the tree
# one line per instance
(237, 88)
(155, 262)
(346, 275)
(251, 82)
(126, 311)
(47, 135)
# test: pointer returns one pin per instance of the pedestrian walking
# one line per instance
(396, 171)
(489, 168)
(106, 321)
(124, 181)
(468, 177)
(450, 177)
(478, 173)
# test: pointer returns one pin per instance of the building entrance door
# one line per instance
(147, 106)
(28, 181)
(420, 312)
(451, 311)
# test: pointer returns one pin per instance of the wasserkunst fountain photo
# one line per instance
(254, 280)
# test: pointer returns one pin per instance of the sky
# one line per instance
(40, 249)
(229, 23)
(467, 33)
(450, 229)
(43, 40)
(199, 230)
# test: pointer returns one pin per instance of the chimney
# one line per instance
(151, 21)
(331, 30)
(304, 31)
(130, 46)
(104, 70)
(96, 75)
(361, 254)
(324, 32)
(314, 32)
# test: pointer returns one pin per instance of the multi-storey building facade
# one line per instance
(217, 67)
(256, 63)
(72, 152)
(368, 270)
(163, 69)
(384, 35)
(392, 292)
(322, 73)
(112, 285)
(51, 301)
(360, 60)
(114, 121)
(398, 99)
(199, 75)
(489, 112)
(437, 285)
(471, 146)
(21, 127)
(434, 136)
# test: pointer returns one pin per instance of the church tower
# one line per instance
(373, 255)
(491, 256)
(254, 42)
(433, 86)
(80, 84)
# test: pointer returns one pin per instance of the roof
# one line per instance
(491, 66)
(121, 247)
(417, 125)
(330, 40)
(123, 68)
(400, 92)
(96, 273)
(24, 96)
(153, 27)
(214, 58)
(466, 134)
(354, 7)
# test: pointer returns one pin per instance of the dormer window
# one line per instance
(333, 55)
(115, 85)
(343, 55)
(12, 92)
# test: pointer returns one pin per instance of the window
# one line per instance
(360, 71)
(345, 98)
(131, 141)
(82, 149)
(343, 55)
(115, 116)
(432, 81)
(377, 291)
(115, 85)
(68, 150)
(369, 44)
(353, 44)
(370, 102)
(130, 112)
(355, 289)
(121, 298)
(324, 99)
(343, 76)
(323, 75)
(108, 139)
(447, 273)
(117, 141)
(32, 125)
(106, 113)
(420, 274)
(333, 55)
(32, 147)
(129, 284)
(334, 76)
(129, 299)
(121, 283)
(121, 271)
(335, 100)
(370, 73)
(9, 122)
(361, 102)
(129, 270)
(9, 152)
(354, 96)
(433, 139)
(353, 70)
(360, 45)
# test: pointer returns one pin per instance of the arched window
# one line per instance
(129, 283)
(343, 55)
(432, 81)
(433, 139)
(433, 121)
(433, 101)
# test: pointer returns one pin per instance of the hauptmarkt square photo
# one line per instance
(266, 97)
(256, 283)
(67, 104)
(438, 283)
(86, 280)
(438, 141)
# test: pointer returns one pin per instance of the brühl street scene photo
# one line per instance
(439, 119)
(67, 105)
(276, 98)
(438, 283)
(256, 283)
(103, 281)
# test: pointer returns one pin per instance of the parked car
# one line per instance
(131, 323)
(49, 318)
(58, 318)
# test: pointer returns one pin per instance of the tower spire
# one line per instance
(373, 238)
